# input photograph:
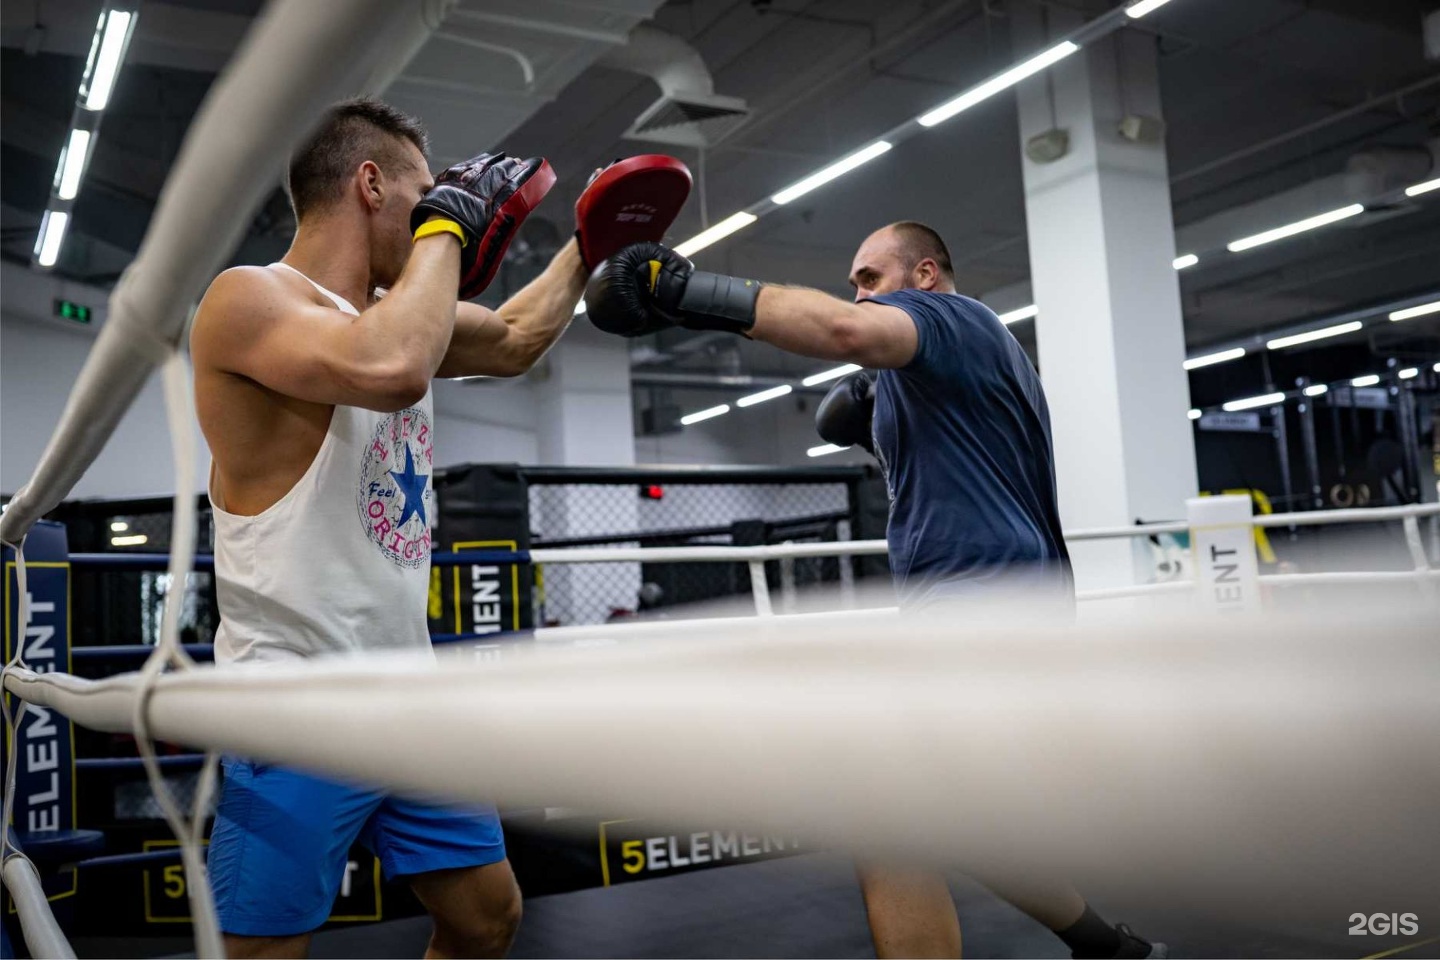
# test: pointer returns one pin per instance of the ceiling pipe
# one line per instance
(689, 111)
(1255, 343)
(1396, 95)
(711, 381)
(1370, 175)
(551, 27)
(672, 63)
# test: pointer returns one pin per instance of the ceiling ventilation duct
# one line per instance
(1370, 176)
(689, 112)
(1379, 170)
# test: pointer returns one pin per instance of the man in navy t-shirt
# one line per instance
(962, 431)
(963, 434)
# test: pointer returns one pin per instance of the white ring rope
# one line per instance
(1248, 748)
(42, 934)
(169, 653)
(841, 548)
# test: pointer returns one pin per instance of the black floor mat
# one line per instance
(804, 907)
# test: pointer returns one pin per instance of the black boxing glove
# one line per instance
(648, 287)
(489, 196)
(617, 299)
(844, 416)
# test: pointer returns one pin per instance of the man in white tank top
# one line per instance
(314, 396)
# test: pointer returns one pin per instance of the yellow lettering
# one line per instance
(175, 881)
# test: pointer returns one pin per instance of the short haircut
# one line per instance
(919, 242)
(351, 132)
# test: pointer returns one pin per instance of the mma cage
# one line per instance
(121, 586)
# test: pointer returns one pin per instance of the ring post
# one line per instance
(1222, 544)
(760, 587)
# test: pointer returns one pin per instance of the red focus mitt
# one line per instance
(489, 196)
(630, 201)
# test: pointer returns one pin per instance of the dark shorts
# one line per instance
(282, 838)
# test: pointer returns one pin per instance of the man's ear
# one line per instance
(927, 274)
(371, 184)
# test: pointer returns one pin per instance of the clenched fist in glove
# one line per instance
(844, 416)
(648, 287)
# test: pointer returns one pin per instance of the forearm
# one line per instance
(539, 313)
(507, 342)
(416, 319)
(807, 322)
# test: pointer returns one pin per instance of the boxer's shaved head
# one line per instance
(917, 242)
(903, 255)
(352, 132)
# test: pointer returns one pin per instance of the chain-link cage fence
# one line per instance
(565, 507)
(118, 606)
(135, 800)
(640, 509)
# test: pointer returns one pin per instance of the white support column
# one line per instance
(584, 401)
(585, 418)
(1109, 330)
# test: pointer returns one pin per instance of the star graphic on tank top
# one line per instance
(412, 488)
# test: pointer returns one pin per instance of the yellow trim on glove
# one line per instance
(431, 227)
(654, 273)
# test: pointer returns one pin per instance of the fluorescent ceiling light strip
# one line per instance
(107, 65)
(834, 374)
(52, 235)
(824, 450)
(1425, 187)
(1266, 400)
(764, 395)
(1187, 260)
(1299, 226)
(1369, 380)
(131, 540)
(1195, 363)
(1316, 389)
(1137, 10)
(72, 164)
(708, 413)
(716, 233)
(838, 168)
(1409, 373)
(1280, 343)
(1410, 313)
(1194, 414)
(1024, 313)
(995, 84)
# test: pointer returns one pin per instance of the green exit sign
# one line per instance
(70, 310)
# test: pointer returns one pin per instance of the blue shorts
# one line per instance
(281, 840)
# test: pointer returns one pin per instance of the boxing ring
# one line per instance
(1208, 740)
(558, 685)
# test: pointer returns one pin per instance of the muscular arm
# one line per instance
(255, 323)
(508, 341)
(815, 324)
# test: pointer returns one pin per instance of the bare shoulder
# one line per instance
(243, 295)
(240, 306)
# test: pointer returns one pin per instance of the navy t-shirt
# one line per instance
(963, 435)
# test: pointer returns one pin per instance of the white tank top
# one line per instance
(341, 564)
